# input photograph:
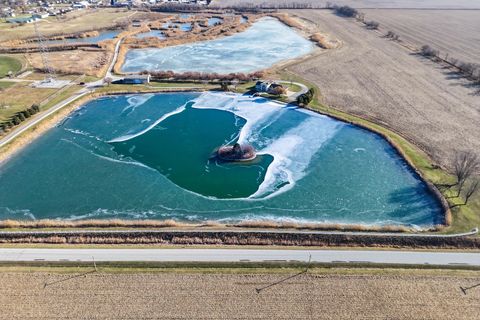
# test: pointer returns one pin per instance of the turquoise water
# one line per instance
(147, 157)
(265, 43)
(103, 35)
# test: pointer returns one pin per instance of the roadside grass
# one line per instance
(292, 87)
(60, 96)
(20, 96)
(240, 268)
(6, 84)
(464, 218)
(89, 79)
(9, 64)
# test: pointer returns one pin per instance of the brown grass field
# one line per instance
(456, 32)
(321, 294)
(90, 62)
(380, 80)
(19, 97)
(84, 20)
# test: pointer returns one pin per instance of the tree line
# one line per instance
(468, 69)
(19, 117)
(204, 76)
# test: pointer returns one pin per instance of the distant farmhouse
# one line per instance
(28, 19)
(269, 87)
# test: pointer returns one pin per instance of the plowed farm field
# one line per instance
(375, 78)
(233, 296)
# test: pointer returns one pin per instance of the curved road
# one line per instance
(244, 255)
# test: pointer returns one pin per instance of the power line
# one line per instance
(464, 290)
(43, 52)
(287, 278)
(73, 277)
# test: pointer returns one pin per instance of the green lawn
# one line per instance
(9, 64)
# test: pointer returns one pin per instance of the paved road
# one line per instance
(238, 255)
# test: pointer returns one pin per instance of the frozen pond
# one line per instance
(265, 43)
(147, 156)
(214, 20)
(152, 33)
(103, 35)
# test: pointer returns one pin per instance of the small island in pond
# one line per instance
(236, 152)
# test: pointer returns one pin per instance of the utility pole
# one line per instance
(43, 52)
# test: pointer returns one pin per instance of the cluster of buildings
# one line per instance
(27, 11)
(118, 3)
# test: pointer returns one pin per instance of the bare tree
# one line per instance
(470, 190)
(465, 165)
(107, 80)
(428, 51)
(372, 25)
(392, 35)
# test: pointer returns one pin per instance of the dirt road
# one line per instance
(378, 79)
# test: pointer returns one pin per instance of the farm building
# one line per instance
(20, 20)
(134, 79)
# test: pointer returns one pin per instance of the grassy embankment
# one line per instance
(9, 64)
(464, 218)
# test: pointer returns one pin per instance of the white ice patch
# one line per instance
(135, 101)
(293, 152)
(133, 135)
(253, 112)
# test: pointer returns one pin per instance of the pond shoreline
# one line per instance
(50, 122)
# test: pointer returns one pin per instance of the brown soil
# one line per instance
(456, 32)
(233, 296)
(378, 79)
